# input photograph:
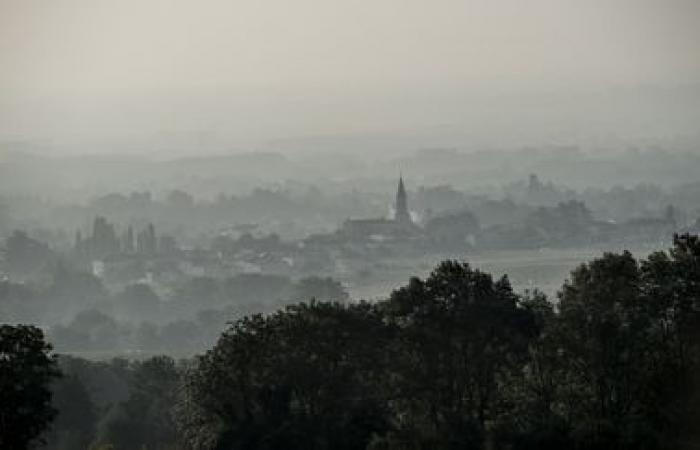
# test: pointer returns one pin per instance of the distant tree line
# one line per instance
(80, 315)
(455, 360)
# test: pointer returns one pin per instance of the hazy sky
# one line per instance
(262, 69)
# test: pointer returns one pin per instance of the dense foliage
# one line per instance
(455, 360)
(26, 371)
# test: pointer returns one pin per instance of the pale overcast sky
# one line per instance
(256, 69)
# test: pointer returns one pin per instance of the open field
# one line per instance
(545, 269)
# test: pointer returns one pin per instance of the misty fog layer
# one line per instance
(360, 225)
(160, 77)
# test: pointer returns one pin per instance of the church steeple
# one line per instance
(401, 213)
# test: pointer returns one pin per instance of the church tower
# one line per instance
(401, 214)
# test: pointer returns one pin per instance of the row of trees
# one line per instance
(63, 294)
(456, 360)
(104, 241)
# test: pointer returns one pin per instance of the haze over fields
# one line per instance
(349, 225)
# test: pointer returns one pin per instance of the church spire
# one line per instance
(401, 213)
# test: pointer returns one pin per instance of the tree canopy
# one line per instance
(450, 361)
(27, 369)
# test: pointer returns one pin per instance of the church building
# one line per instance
(400, 226)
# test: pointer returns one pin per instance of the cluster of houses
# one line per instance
(357, 242)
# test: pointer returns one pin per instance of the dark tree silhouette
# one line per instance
(144, 420)
(460, 333)
(75, 424)
(26, 371)
(299, 379)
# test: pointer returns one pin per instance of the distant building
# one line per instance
(401, 226)
(401, 214)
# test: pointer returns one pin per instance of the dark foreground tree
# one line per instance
(74, 427)
(618, 366)
(302, 378)
(145, 420)
(602, 333)
(26, 371)
(672, 293)
(460, 335)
